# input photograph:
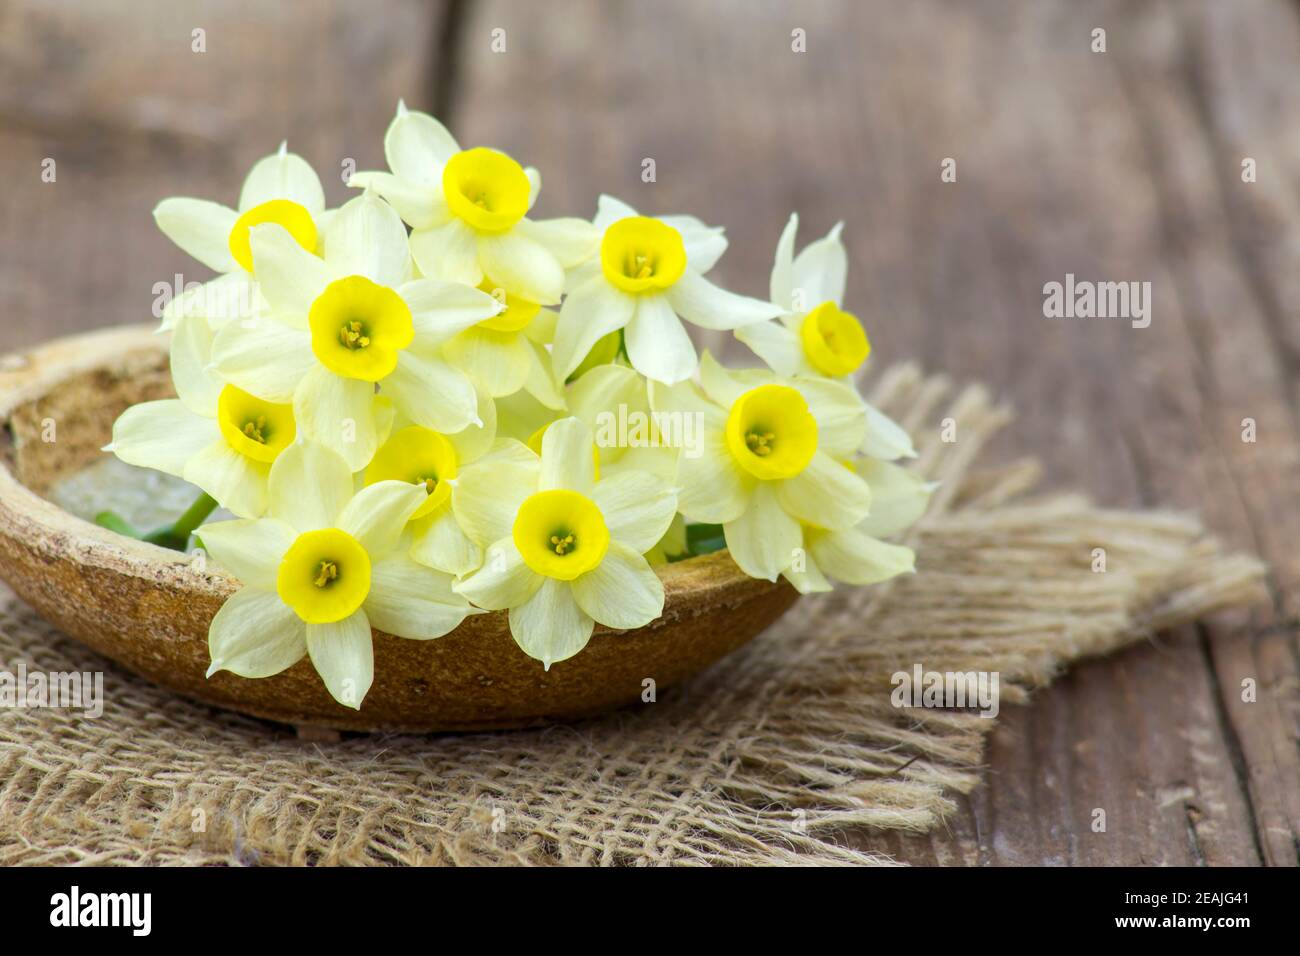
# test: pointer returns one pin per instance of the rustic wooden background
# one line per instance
(1123, 165)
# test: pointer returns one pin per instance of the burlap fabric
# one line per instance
(773, 755)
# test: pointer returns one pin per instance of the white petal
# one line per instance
(534, 185)
(282, 175)
(255, 634)
(698, 300)
(288, 276)
(541, 382)
(884, 438)
(197, 384)
(421, 207)
(657, 344)
(344, 656)
(826, 493)
(603, 390)
(550, 626)
(819, 272)
(487, 495)
(725, 385)
(417, 146)
(763, 540)
(377, 514)
(473, 441)
(439, 542)
(809, 578)
(713, 488)
(219, 301)
(409, 600)
(201, 228)
(610, 210)
(776, 345)
(855, 558)
(898, 498)
(251, 550)
(504, 580)
(366, 237)
(338, 413)
(448, 252)
(238, 483)
(431, 392)
(686, 398)
(704, 244)
(839, 412)
(590, 312)
(572, 241)
(782, 282)
(522, 265)
(309, 486)
(162, 435)
(498, 361)
(265, 358)
(567, 460)
(637, 508)
(441, 309)
(622, 591)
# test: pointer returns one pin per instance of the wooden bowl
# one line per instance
(148, 609)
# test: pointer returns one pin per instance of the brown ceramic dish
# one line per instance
(148, 609)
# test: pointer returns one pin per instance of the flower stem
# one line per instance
(177, 535)
(115, 522)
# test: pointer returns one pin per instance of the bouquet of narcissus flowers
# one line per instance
(427, 404)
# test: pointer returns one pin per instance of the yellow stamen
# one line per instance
(353, 336)
(255, 429)
(329, 571)
(561, 544)
(760, 444)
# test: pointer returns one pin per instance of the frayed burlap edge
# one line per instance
(770, 756)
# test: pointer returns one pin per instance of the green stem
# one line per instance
(704, 538)
(177, 535)
(195, 515)
(115, 522)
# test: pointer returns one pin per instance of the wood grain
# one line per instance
(1120, 165)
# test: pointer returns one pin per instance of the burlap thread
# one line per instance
(771, 756)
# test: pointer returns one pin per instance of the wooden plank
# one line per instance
(1062, 168)
(130, 113)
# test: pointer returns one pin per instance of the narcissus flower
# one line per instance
(564, 550)
(468, 211)
(507, 352)
(814, 336)
(281, 188)
(648, 277)
(433, 461)
(215, 435)
(343, 324)
(319, 572)
(856, 555)
(771, 460)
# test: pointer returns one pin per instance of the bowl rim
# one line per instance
(29, 374)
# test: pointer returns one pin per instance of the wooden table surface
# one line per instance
(1118, 165)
